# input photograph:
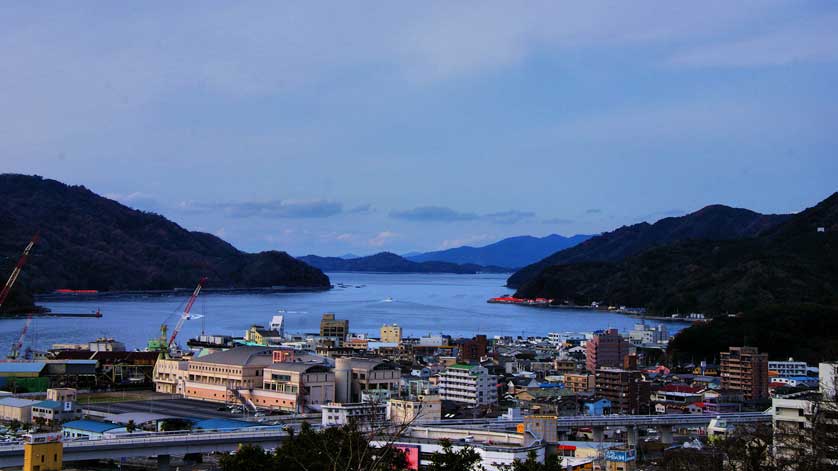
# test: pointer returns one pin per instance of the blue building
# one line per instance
(598, 407)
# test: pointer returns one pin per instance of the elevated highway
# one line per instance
(163, 445)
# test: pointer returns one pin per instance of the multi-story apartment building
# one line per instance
(745, 370)
(472, 350)
(468, 384)
(788, 368)
(356, 375)
(606, 349)
(333, 328)
(643, 334)
(419, 410)
(579, 382)
(391, 333)
(366, 415)
(567, 366)
(626, 390)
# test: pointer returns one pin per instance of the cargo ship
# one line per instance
(211, 341)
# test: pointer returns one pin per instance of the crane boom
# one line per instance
(186, 310)
(16, 272)
(15, 352)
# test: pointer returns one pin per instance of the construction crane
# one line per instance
(185, 315)
(16, 272)
(15, 352)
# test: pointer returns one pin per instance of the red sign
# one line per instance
(411, 452)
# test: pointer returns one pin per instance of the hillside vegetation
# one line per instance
(790, 262)
(387, 262)
(91, 242)
(716, 222)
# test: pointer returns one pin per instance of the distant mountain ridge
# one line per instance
(715, 222)
(791, 262)
(513, 252)
(91, 242)
(387, 262)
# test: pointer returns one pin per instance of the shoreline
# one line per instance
(58, 297)
(651, 317)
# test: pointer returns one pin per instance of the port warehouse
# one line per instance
(79, 369)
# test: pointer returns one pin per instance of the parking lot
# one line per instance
(173, 407)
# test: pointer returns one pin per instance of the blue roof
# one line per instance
(49, 405)
(215, 424)
(22, 366)
(91, 425)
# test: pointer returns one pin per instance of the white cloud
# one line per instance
(382, 238)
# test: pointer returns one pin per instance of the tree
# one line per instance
(15, 425)
(551, 463)
(333, 449)
(248, 458)
(130, 427)
(465, 459)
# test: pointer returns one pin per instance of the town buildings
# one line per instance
(419, 410)
(391, 333)
(788, 368)
(468, 384)
(626, 389)
(606, 349)
(581, 382)
(745, 370)
(334, 329)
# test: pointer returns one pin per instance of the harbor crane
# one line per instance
(7, 288)
(16, 272)
(185, 316)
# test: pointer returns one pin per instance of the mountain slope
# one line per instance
(716, 222)
(386, 262)
(91, 242)
(790, 263)
(512, 252)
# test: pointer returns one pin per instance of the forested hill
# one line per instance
(386, 262)
(91, 242)
(513, 252)
(716, 222)
(795, 261)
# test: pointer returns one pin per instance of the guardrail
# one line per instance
(168, 437)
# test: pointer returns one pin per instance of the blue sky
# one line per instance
(333, 127)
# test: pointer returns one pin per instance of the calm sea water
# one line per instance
(420, 303)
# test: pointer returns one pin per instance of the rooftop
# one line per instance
(240, 356)
(91, 425)
(17, 402)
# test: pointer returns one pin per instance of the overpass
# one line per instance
(163, 445)
(663, 423)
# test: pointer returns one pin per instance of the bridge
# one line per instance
(663, 423)
(163, 445)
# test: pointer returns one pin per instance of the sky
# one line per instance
(358, 127)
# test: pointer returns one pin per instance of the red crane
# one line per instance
(15, 352)
(185, 315)
(16, 272)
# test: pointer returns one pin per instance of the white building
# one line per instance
(365, 414)
(788, 368)
(643, 334)
(278, 324)
(420, 410)
(468, 384)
